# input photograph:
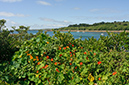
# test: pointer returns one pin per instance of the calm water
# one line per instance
(78, 34)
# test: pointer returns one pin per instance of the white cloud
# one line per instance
(55, 21)
(10, 0)
(76, 8)
(9, 14)
(44, 26)
(44, 3)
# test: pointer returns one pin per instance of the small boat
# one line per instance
(102, 34)
(77, 31)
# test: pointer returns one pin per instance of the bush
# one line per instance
(10, 42)
(62, 60)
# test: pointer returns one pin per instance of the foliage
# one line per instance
(63, 60)
(10, 42)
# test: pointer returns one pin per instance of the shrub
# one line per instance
(62, 60)
(10, 42)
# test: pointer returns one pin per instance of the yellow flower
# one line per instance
(36, 75)
(41, 54)
(91, 78)
(80, 78)
(20, 56)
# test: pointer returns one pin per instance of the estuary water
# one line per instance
(85, 35)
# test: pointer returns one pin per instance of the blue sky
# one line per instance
(41, 14)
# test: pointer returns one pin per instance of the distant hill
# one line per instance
(99, 26)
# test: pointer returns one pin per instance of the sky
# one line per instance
(48, 14)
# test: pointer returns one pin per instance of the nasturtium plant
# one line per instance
(63, 60)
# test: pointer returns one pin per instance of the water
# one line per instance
(76, 35)
(85, 35)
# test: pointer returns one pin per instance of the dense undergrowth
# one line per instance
(62, 60)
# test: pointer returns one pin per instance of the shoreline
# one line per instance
(93, 30)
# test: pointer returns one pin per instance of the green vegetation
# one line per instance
(63, 60)
(99, 26)
(10, 42)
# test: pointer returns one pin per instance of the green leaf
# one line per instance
(61, 77)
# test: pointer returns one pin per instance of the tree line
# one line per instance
(99, 26)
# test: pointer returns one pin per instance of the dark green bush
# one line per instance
(10, 42)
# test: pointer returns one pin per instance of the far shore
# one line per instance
(92, 30)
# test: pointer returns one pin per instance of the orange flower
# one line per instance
(69, 43)
(71, 59)
(46, 66)
(94, 53)
(41, 58)
(48, 81)
(72, 45)
(71, 55)
(76, 67)
(36, 57)
(87, 58)
(43, 67)
(55, 63)
(47, 42)
(60, 55)
(51, 59)
(72, 77)
(70, 63)
(28, 54)
(81, 63)
(57, 70)
(59, 48)
(99, 62)
(47, 57)
(39, 76)
(27, 51)
(59, 63)
(67, 47)
(114, 73)
(81, 47)
(64, 48)
(31, 57)
(99, 78)
(70, 52)
(84, 52)
(37, 71)
(38, 63)
(44, 53)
